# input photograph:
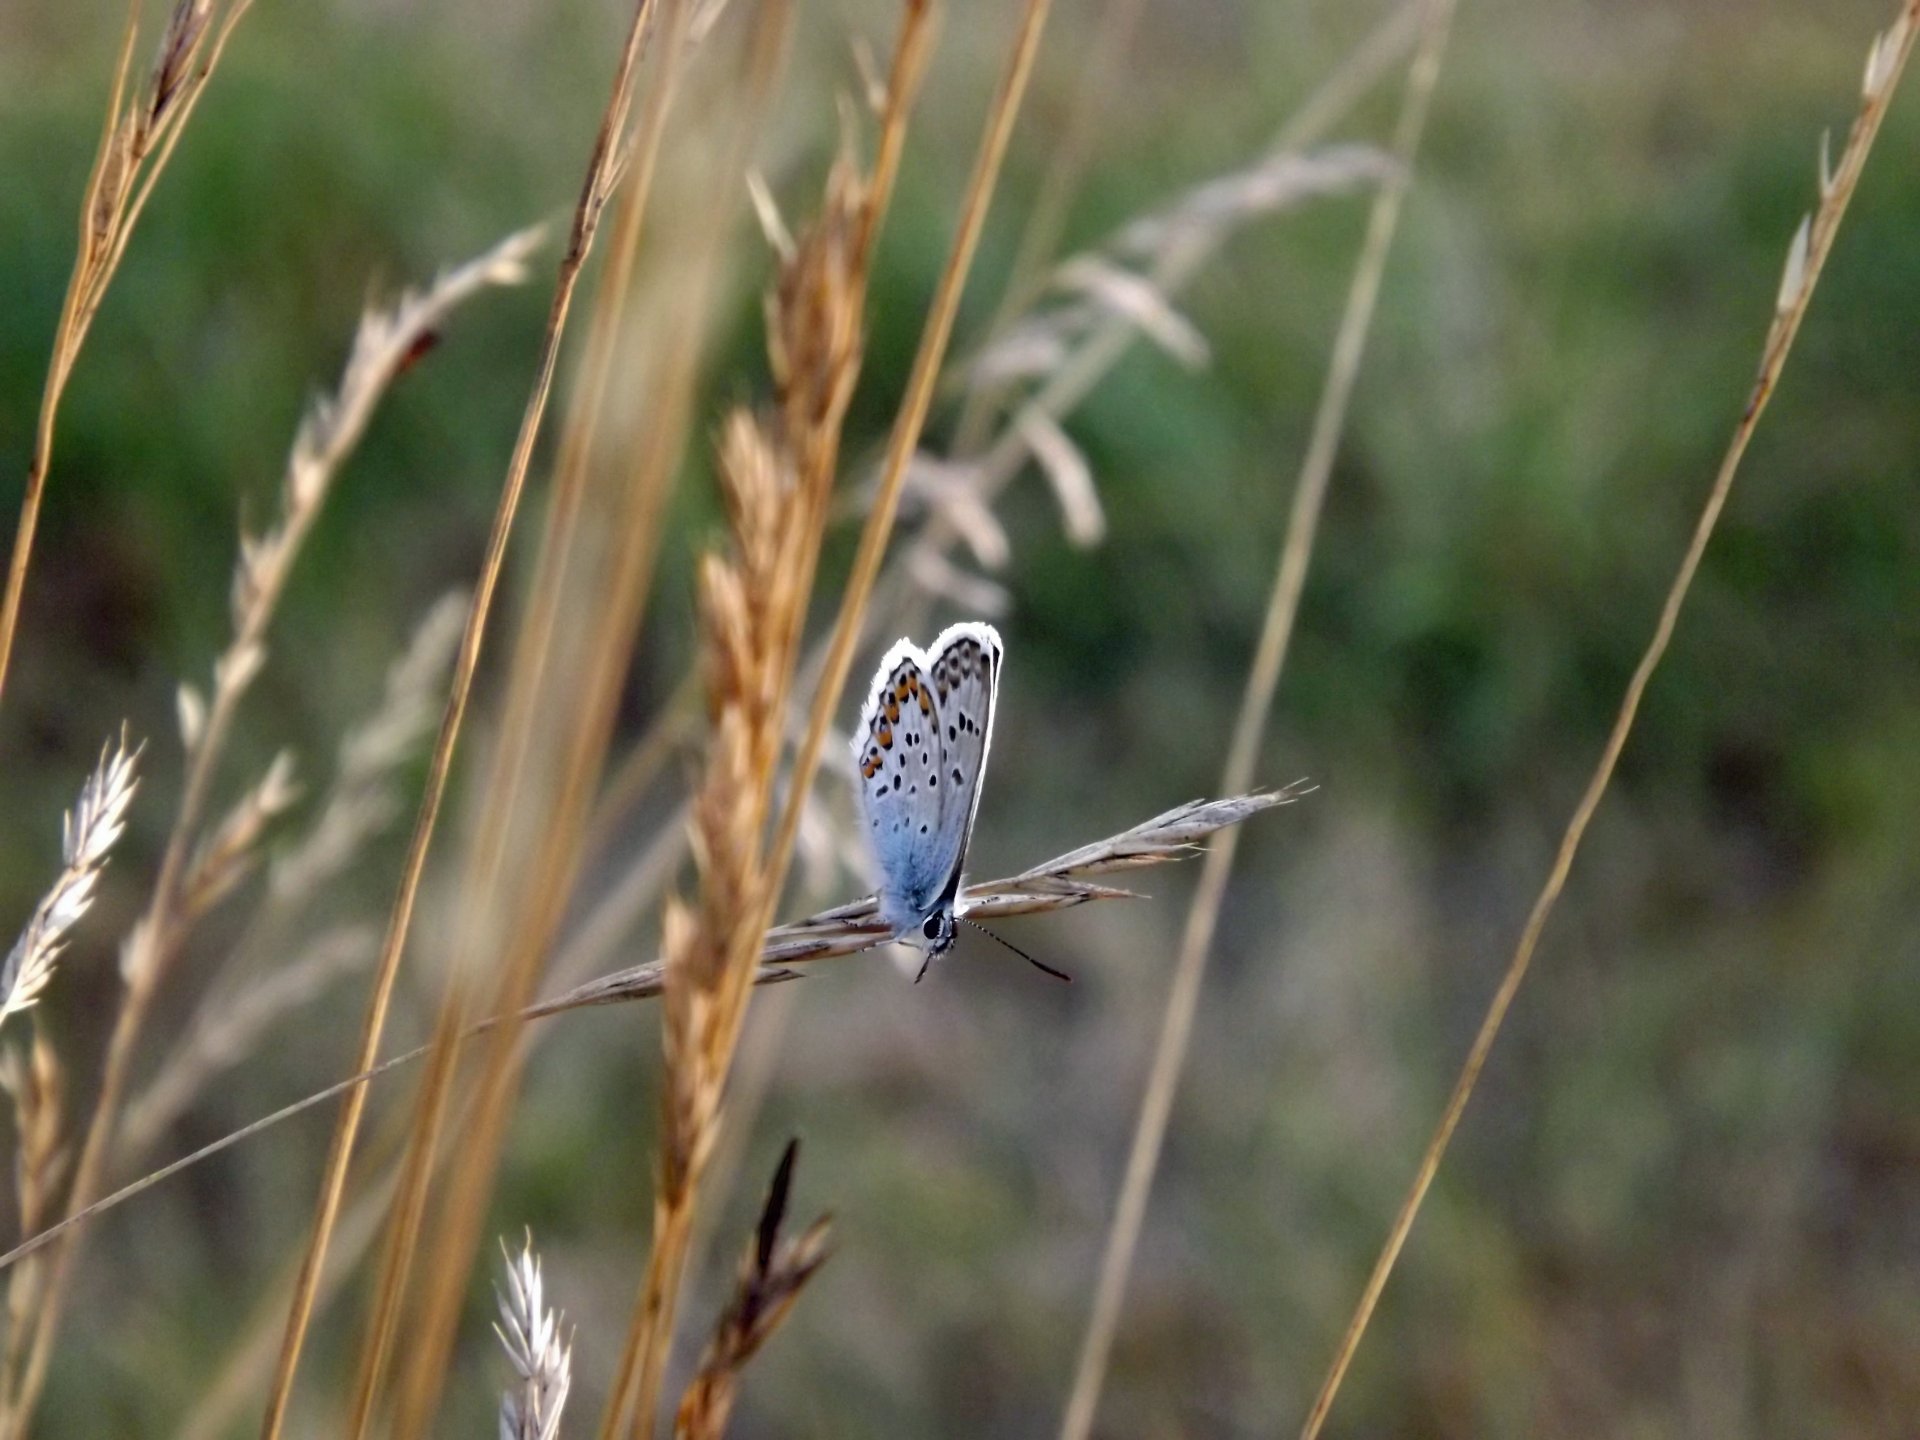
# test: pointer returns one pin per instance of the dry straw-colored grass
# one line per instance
(1062, 883)
(773, 1271)
(1249, 732)
(202, 863)
(758, 711)
(1806, 258)
(602, 172)
(138, 140)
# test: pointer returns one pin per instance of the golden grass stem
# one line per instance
(94, 266)
(1309, 498)
(651, 1332)
(327, 435)
(583, 739)
(532, 649)
(1806, 260)
(784, 469)
(905, 438)
(587, 212)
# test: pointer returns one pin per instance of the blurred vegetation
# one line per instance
(1687, 1198)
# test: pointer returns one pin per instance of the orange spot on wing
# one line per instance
(886, 737)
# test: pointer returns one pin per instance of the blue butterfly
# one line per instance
(919, 752)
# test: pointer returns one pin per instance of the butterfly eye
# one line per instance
(932, 928)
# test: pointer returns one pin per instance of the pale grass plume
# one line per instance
(96, 822)
(257, 986)
(227, 856)
(541, 1355)
(386, 340)
(773, 1271)
(363, 799)
(197, 868)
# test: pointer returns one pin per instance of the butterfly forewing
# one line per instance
(966, 684)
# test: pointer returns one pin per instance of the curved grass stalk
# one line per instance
(1309, 497)
(1806, 258)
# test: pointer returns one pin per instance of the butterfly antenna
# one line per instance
(1037, 964)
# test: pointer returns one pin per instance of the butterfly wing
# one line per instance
(964, 665)
(896, 757)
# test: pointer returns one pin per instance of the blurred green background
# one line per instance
(1686, 1200)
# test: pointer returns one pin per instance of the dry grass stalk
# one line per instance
(231, 1025)
(90, 830)
(775, 476)
(540, 1356)
(231, 852)
(1283, 606)
(36, 1086)
(1806, 257)
(773, 1272)
(1058, 884)
(239, 1006)
(607, 581)
(1068, 352)
(140, 133)
(923, 572)
(194, 871)
(596, 187)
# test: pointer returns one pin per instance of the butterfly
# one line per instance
(919, 753)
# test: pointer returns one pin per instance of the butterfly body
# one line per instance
(919, 753)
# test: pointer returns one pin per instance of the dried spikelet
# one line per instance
(385, 341)
(196, 870)
(692, 1100)
(96, 822)
(773, 1272)
(36, 1086)
(362, 798)
(1057, 884)
(179, 47)
(814, 323)
(114, 180)
(229, 855)
(540, 1355)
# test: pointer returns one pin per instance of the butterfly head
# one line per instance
(935, 934)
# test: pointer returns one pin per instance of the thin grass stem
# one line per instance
(1807, 257)
(1296, 551)
(593, 196)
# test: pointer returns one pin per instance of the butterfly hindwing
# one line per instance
(918, 754)
(896, 763)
